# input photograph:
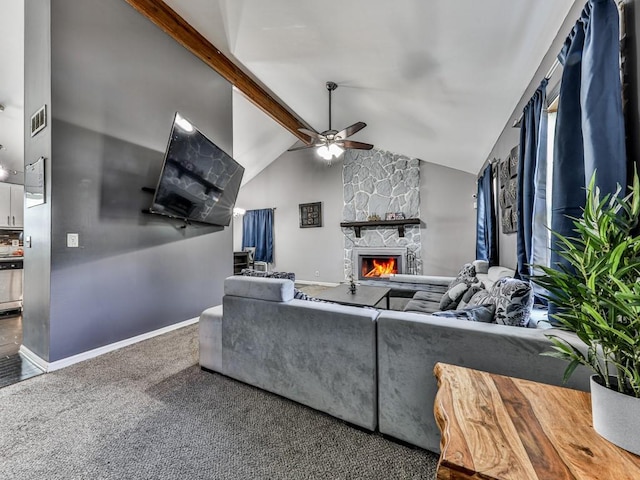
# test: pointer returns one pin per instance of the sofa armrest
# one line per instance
(210, 338)
(409, 346)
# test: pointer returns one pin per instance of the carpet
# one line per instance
(148, 411)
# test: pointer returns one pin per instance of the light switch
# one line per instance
(73, 240)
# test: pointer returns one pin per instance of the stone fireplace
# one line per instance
(376, 183)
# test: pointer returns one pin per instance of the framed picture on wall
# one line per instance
(34, 183)
(310, 215)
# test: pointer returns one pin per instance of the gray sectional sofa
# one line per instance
(368, 367)
(322, 355)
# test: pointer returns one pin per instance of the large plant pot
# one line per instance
(616, 416)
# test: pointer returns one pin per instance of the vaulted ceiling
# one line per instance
(433, 79)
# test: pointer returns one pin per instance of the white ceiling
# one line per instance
(436, 79)
(433, 79)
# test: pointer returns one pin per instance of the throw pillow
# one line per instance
(457, 288)
(468, 295)
(300, 295)
(452, 297)
(479, 313)
(481, 297)
(249, 272)
(467, 274)
(513, 300)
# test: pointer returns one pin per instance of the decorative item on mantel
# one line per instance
(373, 218)
(600, 299)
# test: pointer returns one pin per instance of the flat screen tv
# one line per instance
(199, 182)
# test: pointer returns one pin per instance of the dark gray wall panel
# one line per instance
(116, 82)
(37, 220)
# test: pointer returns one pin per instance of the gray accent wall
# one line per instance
(37, 220)
(446, 209)
(116, 81)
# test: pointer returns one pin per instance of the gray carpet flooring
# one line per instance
(148, 411)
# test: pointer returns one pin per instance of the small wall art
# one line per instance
(508, 175)
(34, 183)
(310, 215)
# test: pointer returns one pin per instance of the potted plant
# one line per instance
(598, 298)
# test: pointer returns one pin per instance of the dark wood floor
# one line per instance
(14, 367)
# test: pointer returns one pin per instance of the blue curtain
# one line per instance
(257, 231)
(486, 234)
(530, 149)
(590, 126)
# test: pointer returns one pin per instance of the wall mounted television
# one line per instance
(199, 182)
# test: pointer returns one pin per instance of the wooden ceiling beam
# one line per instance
(182, 32)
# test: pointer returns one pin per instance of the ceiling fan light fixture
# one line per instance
(335, 150)
(324, 152)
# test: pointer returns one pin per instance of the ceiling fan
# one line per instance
(331, 143)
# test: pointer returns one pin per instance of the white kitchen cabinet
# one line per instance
(11, 205)
(17, 206)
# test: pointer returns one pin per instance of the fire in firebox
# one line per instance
(377, 267)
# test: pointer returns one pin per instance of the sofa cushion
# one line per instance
(421, 279)
(270, 289)
(512, 299)
(421, 306)
(479, 313)
(494, 274)
(482, 266)
(430, 296)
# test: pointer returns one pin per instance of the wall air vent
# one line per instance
(38, 121)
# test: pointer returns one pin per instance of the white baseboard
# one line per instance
(81, 357)
(311, 282)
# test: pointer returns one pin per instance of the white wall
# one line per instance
(294, 178)
(448, 240)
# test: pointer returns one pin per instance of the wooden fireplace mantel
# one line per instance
(399, 224)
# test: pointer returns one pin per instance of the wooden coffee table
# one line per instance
(365, 296)
(496, 427)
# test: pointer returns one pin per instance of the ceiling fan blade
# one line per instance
(354, 145)
(350, 130)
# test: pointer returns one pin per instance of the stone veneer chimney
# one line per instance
(377, 182)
